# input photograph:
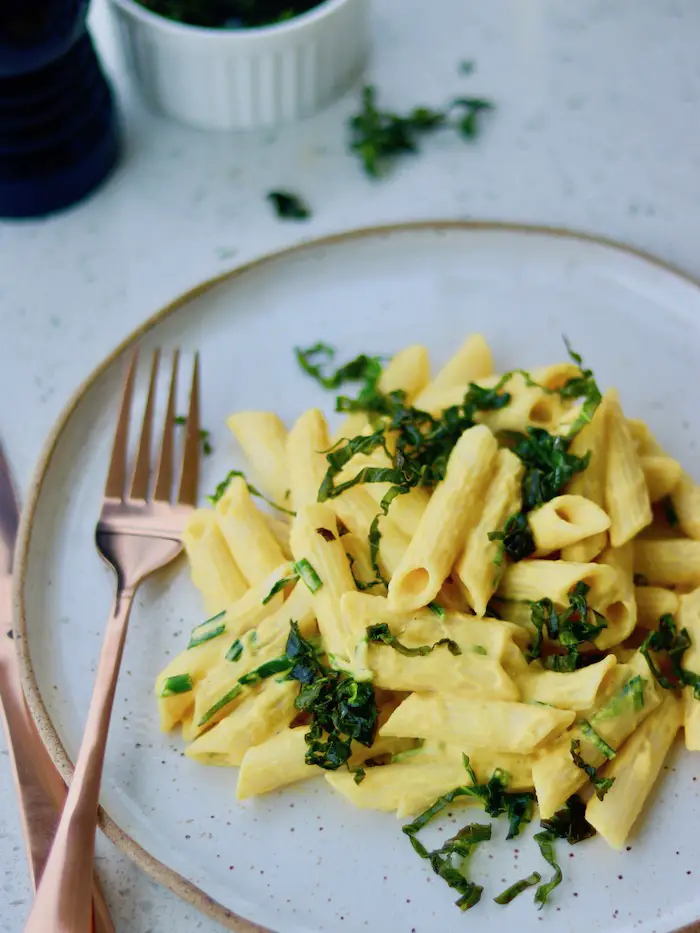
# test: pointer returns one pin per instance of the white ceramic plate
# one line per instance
(304, 861)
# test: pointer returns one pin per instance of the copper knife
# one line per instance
(40, 788)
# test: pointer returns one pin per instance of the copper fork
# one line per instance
(138, 532)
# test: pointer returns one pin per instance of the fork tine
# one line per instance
(189, 476)
(116, 477)
(142, 467)
(164, 476)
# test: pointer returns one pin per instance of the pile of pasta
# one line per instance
(442, 574)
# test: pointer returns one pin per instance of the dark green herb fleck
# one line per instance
(289, 206)
(670, 645)
(378, 137)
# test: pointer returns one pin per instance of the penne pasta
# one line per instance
(626, 496)
(263, 712)
(652, 603)
(630, 696)
(621, 609)
(662, 474)
(214, 571)
(673, 562)
(306, 461)
(476, 568)
(407, 371)
(263, 437)
(247, 535)
(494, 724)
(452, 510)
(686, 502)
(634, 771)
(471, 363)
(577, 690)
(590, 483)
(554, 579)
(689, 618)
(314, 538)
(566, 520)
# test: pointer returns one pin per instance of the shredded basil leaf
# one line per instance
(671, 644)
(505, 897)
(570, 822)
(382, 634)
(569, 627)
(545, 840)
(595, 739)
(437, 610)
(516, 539)
(670, 512)
(226, 482)
(601, 785)
(280, 585)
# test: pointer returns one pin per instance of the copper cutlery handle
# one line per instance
(40, 788)
(63, 901)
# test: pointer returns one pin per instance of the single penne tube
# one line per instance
(689, 618)
(483, 645)
(356, 509)
(470, 672)
(484, 761)
(472, 362)
(531, 580)
(674, 561)
(315, 539)
(495, 724)
(652, 603)
(388, 788)
(247, 535)
(629, 697)
(280, 761)
(626, 496)
(454, 508)
(476, 568)
(662, 475)
(577, 690)
(634, 771)
(565, 520)
(306, 462)
(263, 437)
(264, 711)
(620, 607)
(408, 371)
(686, 502)
(214, 571)
(423, 626)
(590, 483)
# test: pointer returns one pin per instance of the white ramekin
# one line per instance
(240, 79)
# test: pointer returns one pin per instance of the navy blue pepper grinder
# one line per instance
(58, 127)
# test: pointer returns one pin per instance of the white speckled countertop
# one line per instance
(596, 128)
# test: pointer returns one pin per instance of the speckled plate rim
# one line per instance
(156, 869)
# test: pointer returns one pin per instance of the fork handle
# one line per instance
(40, 788)
(63, 902)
